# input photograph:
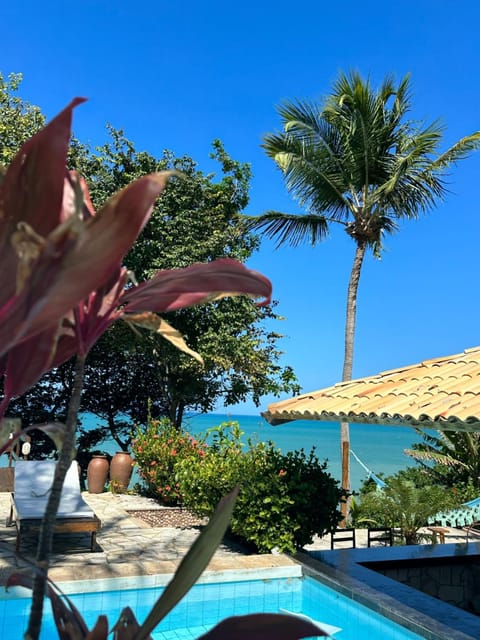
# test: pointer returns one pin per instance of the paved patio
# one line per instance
(126, 546)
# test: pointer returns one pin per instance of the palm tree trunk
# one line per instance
(46, 531)
(348, 359)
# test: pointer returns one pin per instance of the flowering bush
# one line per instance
(283, 500)
(202, 485)
(157, 450)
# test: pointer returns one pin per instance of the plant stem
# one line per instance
(48, 522)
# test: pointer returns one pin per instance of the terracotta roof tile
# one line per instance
(441, 393)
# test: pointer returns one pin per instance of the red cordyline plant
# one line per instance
(62, 285)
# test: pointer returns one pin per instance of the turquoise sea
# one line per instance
(380, 448)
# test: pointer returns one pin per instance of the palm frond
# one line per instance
(312, 175)
(401, 103)
(290, 228)
(355, 159)
(434, 456)
(458, 151)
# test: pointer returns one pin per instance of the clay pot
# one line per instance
(97, 472)
(120, 471)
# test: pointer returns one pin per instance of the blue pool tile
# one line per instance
(206, 604)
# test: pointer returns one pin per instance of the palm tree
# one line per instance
(356, 161)
(455, 456)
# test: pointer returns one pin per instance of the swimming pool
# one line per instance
(208, 603)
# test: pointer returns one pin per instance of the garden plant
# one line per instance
(158, 448)
(284, 499)
(403, 506)
(63, 285)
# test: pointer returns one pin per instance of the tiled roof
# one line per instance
(443, 393)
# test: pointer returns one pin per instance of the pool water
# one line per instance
(207, 604)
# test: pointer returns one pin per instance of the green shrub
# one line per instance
(284, 499)
(315, 495)
(157, 449)
(204, 485)
(404, 506)
(372, 510)
(261, 515)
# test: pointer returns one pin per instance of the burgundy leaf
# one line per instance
(100, 630)
(99, 310)
(68, 620)
(67, 342)
(18, 313)
(111, 233)
(74, 186)
(32, 190)
(170, 290)
(127, 627)
(263, 626)
(27, 362)
(76, 262)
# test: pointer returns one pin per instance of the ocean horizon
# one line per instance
(380, 448)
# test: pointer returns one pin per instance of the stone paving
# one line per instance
(127, 546)
(453, 536)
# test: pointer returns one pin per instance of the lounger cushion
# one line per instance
(33, 480)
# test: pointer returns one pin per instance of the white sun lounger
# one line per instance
(32, 483)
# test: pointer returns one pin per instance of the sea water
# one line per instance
(380, 448)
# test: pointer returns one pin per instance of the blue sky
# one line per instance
(178, 75)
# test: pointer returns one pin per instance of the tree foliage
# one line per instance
(19, 120)
(131, 373)
(197, 220)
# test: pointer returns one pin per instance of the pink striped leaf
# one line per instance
(171, 290)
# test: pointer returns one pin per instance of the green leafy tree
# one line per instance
(356, 161)
(19, 120)
(197, 221)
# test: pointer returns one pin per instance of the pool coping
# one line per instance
(293, 570)
(431, 618)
